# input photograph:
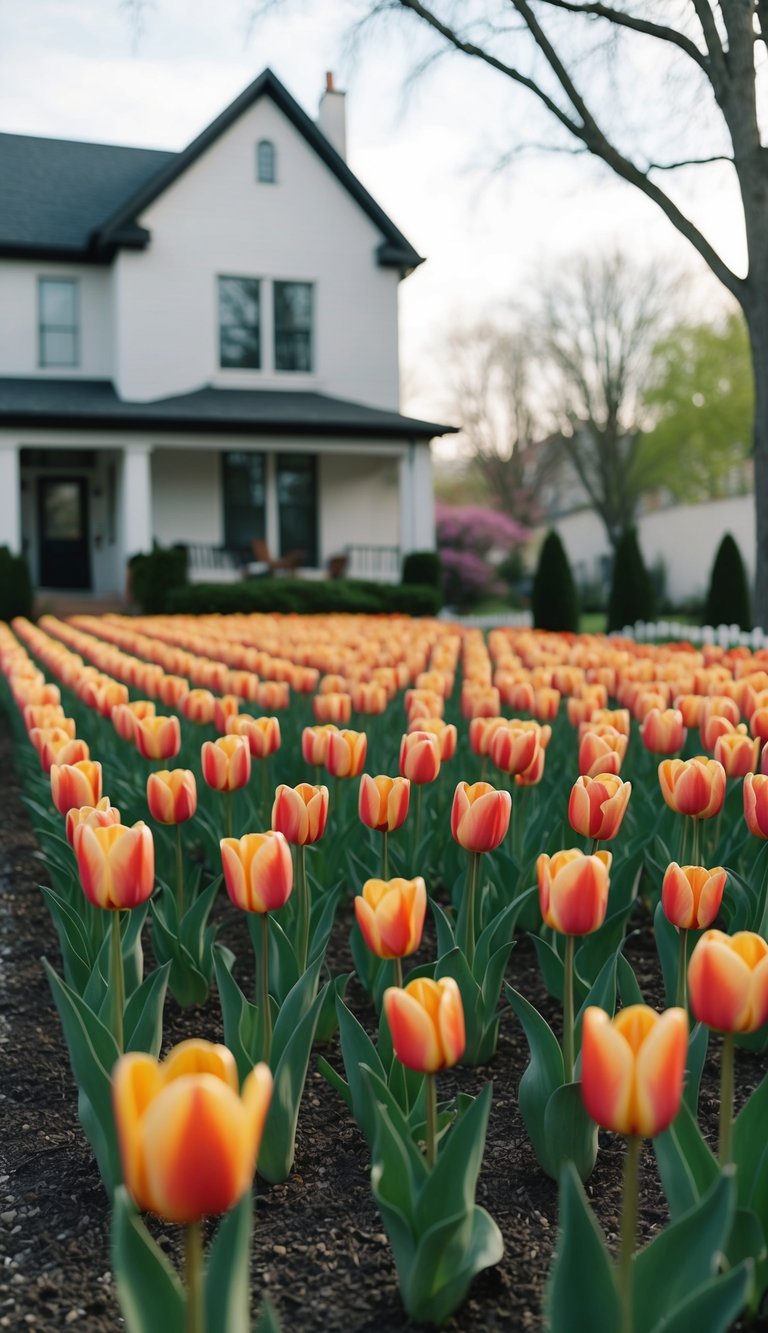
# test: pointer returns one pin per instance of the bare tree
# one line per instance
(714, 48)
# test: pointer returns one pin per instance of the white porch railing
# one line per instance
(725, 636)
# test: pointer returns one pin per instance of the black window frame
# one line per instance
(45, 362)
(256, 284)
(281, 361)
(266, 175)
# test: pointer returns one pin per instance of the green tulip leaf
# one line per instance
(143, 1021)
(358, 1051)
(581, 1295)
(448, 1257)
(697, 1054)
(150, 1294)
(543, 1074)
(627, 982)
(569, 1132)
(290, 1060)
(713, 1307)
(686, 1164)
(228, 1271)
(450, 1188)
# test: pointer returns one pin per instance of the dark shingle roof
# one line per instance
(94, 405)
(62, 199)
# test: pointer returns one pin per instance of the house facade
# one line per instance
(202, 348)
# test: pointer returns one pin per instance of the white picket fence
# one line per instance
(726, 636)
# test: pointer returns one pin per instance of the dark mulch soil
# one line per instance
(319, 1248)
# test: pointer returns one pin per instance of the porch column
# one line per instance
(136, 498)
(271, 506)
(10, 498)
(405, 482)
(423, 498)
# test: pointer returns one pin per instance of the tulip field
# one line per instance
(407, 977)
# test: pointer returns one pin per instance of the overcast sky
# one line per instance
(79, 69)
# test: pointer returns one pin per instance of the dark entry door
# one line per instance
(63, 527)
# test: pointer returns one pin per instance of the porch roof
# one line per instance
(95, 405)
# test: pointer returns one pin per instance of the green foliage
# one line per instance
(554, 599)
(154, 575)
(303, 597)
(703, 400)
(16, 597)
(632, 597)
(423, 567)
(728, 601)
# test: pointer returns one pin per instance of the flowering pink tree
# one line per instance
(472, 541)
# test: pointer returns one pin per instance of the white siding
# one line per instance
(358, 503)
(19, 314)
(186, 497)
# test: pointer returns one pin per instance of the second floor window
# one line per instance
(58, 331)
(293, 325)
(266, 162)
(239, 324)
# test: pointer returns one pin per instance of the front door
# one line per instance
(63, 528)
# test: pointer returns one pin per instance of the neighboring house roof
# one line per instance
(60, 199)
(94, 405)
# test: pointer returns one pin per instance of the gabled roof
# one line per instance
(72, 404)
(61, 199)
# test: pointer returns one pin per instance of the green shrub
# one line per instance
(155, 574)
(728, 601)
(16, 595)
(305, 597)
(424, 568)
(632, 597)
(554, 599)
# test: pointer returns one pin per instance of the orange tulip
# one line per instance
(116, 864)
(172, 795)
(158, 737)
(336, 708)
(368, 697)
(573, 890)
(420, 757)
(390, 914)
(189, 1139)
(663, 732)
(445, 732)
(480, 816)
(383, 802)
(75, 785)
(171, 690)
(258, 871)
(758, 724)
(513, 749)
(693, 786)
(597, 805)
(98, 816)
(738, 753)
(225, 707)
(125, 717)
(272, 695)
(691, 895)
(481, 733)
(546, 704)
(300, 813)
(226, 763)
(314, 743)
(57, 747)
(262, 733)
(48, 715)
(345, 754)
(602, 751)
(728, 981)
(714, 727)
(632, 1068)
(690, 706)
(756, 804)
(426, 1022)
(198, 706)
(533, 774)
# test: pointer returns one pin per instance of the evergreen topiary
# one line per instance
(554, 600)
(16, 596)
(728, 601)
(632, 597)
(423, 567)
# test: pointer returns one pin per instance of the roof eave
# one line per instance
(106, 421)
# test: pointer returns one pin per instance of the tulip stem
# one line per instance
(228, 815)
(628, 1231)
(696, 854)
(179, 874)
(384, 855)
(118, 981)
(684, 842)
(193, 1271)
(265, 1005)
(398, 962)
(265, 793)
(430, 1103)
(469, 933)
(516, 823)
(726, 1099)
(568, 1009)
(417, 829)
(304, 909)
(594, 848)
(682, 969)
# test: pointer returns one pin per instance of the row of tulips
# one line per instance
(483, 833)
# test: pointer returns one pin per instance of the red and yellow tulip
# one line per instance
(632, 1068)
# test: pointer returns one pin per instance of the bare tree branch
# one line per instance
(617, 16)
(689, 162)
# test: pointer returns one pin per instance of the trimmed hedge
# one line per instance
(554, 599)
(155, 575)
(632, 596)
(424, 568)
(304, 597)
(728, 601)
(16, 597)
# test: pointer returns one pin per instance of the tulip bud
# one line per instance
(445, 731)
(336, 708)
(390, 914)
(632, 1068)
(225, 707)
(481, 733)
(189, 1139)
(345, 755)
(597, 805)
(171, 690)
(728, 981)
(756, 804)
(198, 706)
(226, 763)
(573, 890)
(158, 737)
(300, 813)
(419, 757)
(116, 864)
(172, 795)
(314, 744)
(262, 733)
(601, 751)
(693, 786)
(383, 802)
(59, 748)
(97, 816)
(75, 785)
(480, 816)
(368, 697)
(426, 1022)
(663, 732)
(691, 895)
(546, 704)
(738, 753)
(258, 871)
(125, 717)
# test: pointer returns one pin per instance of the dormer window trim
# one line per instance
(266, 162)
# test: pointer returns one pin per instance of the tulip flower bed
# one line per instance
(424, 911)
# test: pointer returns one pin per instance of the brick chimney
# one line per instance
(332, 116)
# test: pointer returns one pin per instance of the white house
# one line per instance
(202, 347)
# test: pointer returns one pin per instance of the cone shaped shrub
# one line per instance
(632, 597)
(728, 601)
(554, 600)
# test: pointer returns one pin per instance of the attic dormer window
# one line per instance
(266, 162)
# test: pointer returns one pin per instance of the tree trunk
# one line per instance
(757, 319)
